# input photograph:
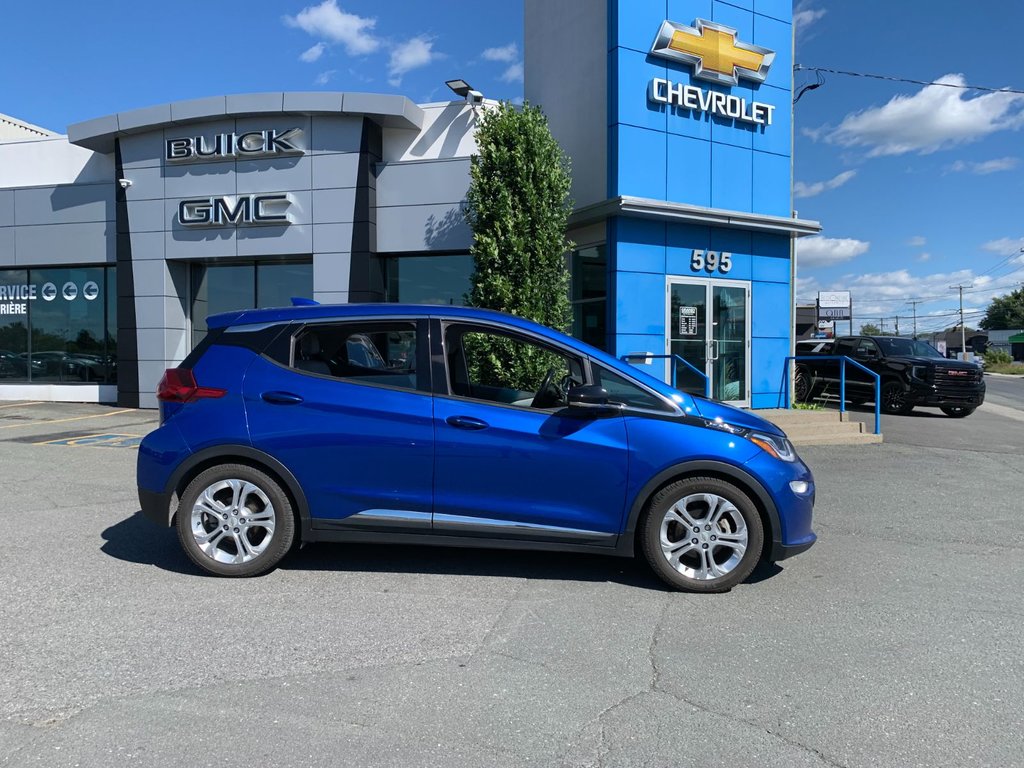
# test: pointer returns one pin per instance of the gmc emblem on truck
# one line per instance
(226, 145)
(243, 209)
(958, 373)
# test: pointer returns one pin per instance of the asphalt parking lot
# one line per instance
(896, 640)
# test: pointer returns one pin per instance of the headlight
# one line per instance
(919, 372)
(779, 447)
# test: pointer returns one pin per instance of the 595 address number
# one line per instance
(711, 261)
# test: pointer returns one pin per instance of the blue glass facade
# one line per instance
(666, 153)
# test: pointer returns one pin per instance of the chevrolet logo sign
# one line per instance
(713, 51)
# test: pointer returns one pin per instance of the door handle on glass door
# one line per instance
(467, 422)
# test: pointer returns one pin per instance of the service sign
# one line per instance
(14, 299)
(839, 299)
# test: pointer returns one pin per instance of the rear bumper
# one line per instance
(156, 506)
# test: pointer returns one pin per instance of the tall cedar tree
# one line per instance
(518, 208)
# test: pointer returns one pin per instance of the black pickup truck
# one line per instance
(912, 373)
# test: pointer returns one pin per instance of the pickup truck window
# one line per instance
(907, 348)
(846, 347)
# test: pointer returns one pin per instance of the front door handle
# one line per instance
(467, 422)
(281, 398)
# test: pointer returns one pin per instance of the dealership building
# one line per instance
(118, 240)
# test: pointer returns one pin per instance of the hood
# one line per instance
(712, 409)
(941, 361)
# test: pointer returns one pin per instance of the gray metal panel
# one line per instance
(152, 278)
(147, 245)
(274, 241)
(331, 297)
(196, 109)
(142, 150)
(147, 216)
(201, 243)
(138, 119)
(312, 101)
(7, 258)
(279, 122)
(332, 206)
(332, 238)
(159, 312)
(64, 204)
(422, 228)
(335, 134)
(331, 272)
(274, 174)
(335, 171)
(6, 207)
(254, 103)
(81, 133)
(80, 243)
(162, 344)
(199, 180)
(419, 183)
(146, 183)
(393, 111)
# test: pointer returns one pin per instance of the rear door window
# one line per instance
(384, 353)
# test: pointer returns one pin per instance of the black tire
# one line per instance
(260, 501)
(803, 385)
(894, 398)
(958, 411)
(661, 513)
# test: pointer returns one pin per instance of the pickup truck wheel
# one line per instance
(803, 385)
(894, 398)
(702, 534)
(957, 411)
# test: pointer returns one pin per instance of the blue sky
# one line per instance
(917, 188)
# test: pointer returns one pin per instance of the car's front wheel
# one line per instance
(702, 534)
(234, 520)
(894, 398)
(957, 411)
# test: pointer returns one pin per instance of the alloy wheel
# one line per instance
(233, 521)
(703, 536)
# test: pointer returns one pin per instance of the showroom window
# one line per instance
(249, 285)
(589, 293)
(58, 325)
(434, 279)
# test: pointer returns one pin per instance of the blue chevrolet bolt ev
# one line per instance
(459, 427)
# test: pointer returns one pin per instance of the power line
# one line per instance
(894, 79)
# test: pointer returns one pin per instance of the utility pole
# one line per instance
(897, 325)
(914, 303)
(963, 331)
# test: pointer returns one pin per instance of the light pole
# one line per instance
(914, 303)
(963, 331)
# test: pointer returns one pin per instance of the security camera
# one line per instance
(474, 97)
(125, 183)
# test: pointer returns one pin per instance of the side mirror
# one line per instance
(588, 396)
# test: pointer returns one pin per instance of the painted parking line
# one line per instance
(63, 421)
(20, 405)
(98, 441)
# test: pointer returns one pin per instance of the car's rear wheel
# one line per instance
(957, 411)
(894, 398)
(803, 385)
(234, 520)
(702, 534)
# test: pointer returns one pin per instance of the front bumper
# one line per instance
(781, 551)
(929, 395)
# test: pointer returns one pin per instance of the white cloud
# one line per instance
(936, 117)
(325, 77)
(1005, 246)
(821, 251)
(916, 241)
(514, 73)
(506, 53)
(985, 167)
(804, 16)
(412, 54)
(331, 23)
(803, 189)
(925, 256)
(312, 54)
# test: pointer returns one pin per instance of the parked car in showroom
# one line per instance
(462, 427)
(913, 373)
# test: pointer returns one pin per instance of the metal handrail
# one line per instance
(843, 360)
(687, 363)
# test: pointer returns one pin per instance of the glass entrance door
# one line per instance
(709, 327)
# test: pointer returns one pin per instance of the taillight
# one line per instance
(178, 385)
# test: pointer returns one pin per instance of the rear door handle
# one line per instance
(281, 398)
(467, 422)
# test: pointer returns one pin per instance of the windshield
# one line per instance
(907, 348)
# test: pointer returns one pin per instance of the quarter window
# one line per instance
(507, 369)
(367, 353)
